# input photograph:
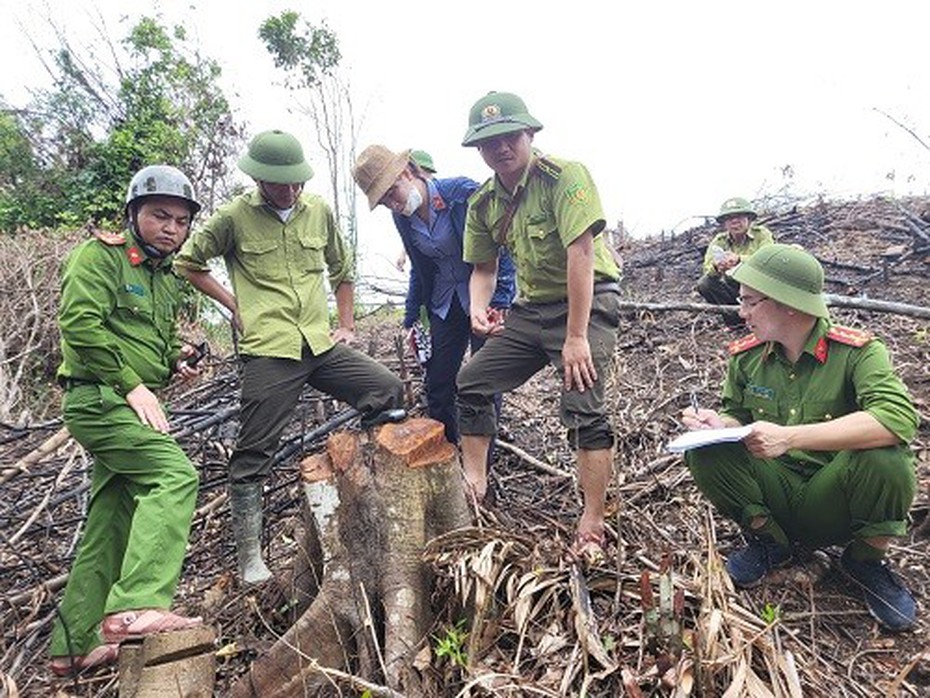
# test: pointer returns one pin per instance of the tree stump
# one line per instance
(179, 664)
(371, 505)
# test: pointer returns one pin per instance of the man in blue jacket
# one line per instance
(430, 217)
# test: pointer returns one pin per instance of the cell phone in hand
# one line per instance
(200, 351)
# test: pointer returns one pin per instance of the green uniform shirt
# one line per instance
(559, 202)
(757, 236)
(277, 270)
(117, 315)
(830, 379)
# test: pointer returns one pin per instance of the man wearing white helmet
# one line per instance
(119, 303)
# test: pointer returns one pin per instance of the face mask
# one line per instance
(413, 202)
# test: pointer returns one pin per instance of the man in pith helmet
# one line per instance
(827, 461)
(546, 212)
(740, 237)
(280, 244)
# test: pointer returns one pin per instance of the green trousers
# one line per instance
(142, 499)
(859, 494)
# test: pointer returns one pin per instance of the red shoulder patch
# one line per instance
(743, 343)
(850, 336)
(108, 238)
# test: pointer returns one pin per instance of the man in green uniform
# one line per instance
(547, 213)
(827, 460)
(278, 243)
(738, 240)
(119, 304)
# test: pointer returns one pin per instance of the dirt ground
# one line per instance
(805, 629)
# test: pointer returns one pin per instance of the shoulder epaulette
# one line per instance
(479, 197)
(548, 168)
(850, 336)
(740, 345)
(108, 238)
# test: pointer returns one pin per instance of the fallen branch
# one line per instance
(531, 460)
(831, 299)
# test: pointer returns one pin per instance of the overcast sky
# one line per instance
(673, 106)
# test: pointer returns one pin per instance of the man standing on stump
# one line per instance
(546, 212)
(278, 243)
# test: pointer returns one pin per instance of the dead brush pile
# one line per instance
(514, 617)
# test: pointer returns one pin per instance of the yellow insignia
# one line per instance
(490, 112)
(850, 336)
(108, 238)
(742, 344)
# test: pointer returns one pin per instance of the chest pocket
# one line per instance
(261, 257)
(540, 238)
(312, 248)
(763, 408)
(134, 300)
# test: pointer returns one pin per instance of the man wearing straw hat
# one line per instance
(827, 461)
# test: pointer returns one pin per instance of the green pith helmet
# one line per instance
(737, 206)
(161, 180)
(276, 157)
(787, 274)
(423, 160)
(495, 114)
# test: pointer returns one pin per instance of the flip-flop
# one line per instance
(134, 625)
(101, 655)
(589, 547)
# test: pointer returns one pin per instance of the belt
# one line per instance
(607, 287)
(67, 383)
(599, 287)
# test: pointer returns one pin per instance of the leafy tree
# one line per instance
(309, 56)
(152, 98)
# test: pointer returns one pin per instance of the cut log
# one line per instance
(372, 505)
(180, 664)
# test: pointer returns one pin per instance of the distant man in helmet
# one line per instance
(738, 240)
(827, 461)
(547, 213)
(278, 243)
(119, 343)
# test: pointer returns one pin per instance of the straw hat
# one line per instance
(376, 170)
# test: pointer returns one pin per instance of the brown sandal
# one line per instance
(589, 547)
(100, 656)
(134, 625)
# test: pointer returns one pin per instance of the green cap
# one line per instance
(495, 114)
(276, 157)
(787, 274)
(737, 206)
(423, 160)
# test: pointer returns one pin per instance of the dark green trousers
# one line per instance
(859, 494)
(142, 499)
(271, 388)
(532, 339)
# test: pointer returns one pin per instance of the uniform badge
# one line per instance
(438, 204)
(760, 391)
(577, 193)
(820, 351)
(490, 112)
(135, 257)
